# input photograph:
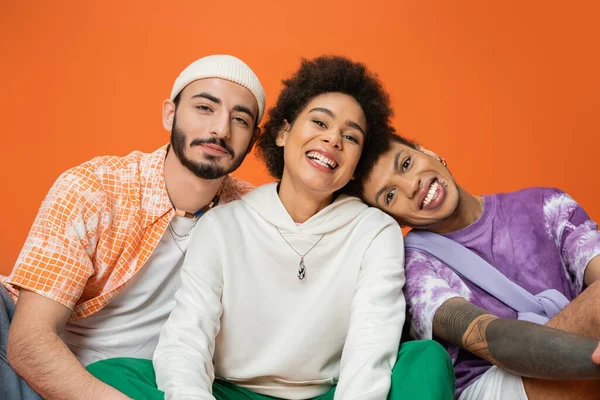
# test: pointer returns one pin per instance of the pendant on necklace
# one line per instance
(301, 269)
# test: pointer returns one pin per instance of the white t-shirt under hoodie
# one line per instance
(243, 315)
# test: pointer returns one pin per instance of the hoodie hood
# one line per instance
(265, 201)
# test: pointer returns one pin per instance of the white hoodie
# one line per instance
(243, 315)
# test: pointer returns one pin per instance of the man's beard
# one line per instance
(209, 169)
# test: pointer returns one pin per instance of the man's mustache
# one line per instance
(213, 140)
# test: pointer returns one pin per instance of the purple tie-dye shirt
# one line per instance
(539, 238)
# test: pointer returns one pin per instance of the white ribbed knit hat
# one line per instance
(224, 67)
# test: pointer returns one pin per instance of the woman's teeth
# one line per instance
(430, 194)
(322, 160)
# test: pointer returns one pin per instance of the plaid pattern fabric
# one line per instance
(96, 228)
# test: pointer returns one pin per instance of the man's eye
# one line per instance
(405, 164)
(241, 120)
(320, 123)
(389, 196)
(202, 107)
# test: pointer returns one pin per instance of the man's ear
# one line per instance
(168, 114)
(283, 134)
(428, 152)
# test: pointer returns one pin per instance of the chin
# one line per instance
(321, 187)
(429, 221)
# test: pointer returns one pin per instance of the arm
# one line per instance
(592, 271)
(183, 359)
(51, 273)
(521, 347)
(36, 352)
(576, 236)
(377, 317)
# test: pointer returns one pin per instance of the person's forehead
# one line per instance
(383, 170)
(343, 102)
(342, 106)
(385, 163)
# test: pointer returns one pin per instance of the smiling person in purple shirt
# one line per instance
(539, 238)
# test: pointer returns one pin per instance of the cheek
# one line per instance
(353, 156)
(191, 129)
(240, 146)
(186, 117)
(291, 154)
(296, 143)
(403, 211)
(305, 135)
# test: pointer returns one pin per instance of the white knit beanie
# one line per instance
(224, 67)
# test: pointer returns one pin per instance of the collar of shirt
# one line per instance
(154, 198)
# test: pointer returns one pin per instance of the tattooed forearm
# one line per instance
(523, 348)
(453, 318)
(537, 351)
(475, 337)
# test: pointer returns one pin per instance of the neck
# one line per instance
(301, 204)
(186, 191)
(468, 211)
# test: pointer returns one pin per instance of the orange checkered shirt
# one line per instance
(96, 228)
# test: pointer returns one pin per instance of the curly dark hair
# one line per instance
(327, 74)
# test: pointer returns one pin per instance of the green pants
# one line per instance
(423, 371)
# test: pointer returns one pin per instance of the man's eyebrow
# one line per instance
(214, 99)
(378, 195)
(208, 96)
(385, 188)
(397, 160)
(244, 109)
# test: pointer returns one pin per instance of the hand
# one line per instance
(596, 355)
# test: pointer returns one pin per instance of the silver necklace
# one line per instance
(180, 238)
(301, 267)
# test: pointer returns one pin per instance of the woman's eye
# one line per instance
(406, 164)
(350, 138)
(320, 123)
(389, 196)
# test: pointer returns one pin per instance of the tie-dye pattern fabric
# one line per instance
(539, 238)
(96, 228)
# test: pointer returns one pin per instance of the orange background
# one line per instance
(506, 91)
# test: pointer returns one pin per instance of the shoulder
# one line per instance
(91, 184)
(135, 159)
(418, 261)
(387, 230)
(224, 209)
(379, 233)
(533, 195)
(421, 265)
(226, 223)
(367, 215)
(554, 203)
(232, 212)
(234, 188)
(535, 204)
(377, 216)
(369, 224)
(426, 275)
(113, 171)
